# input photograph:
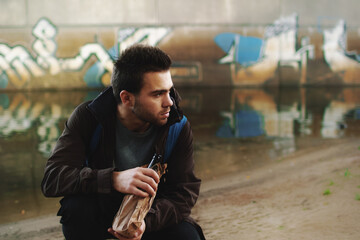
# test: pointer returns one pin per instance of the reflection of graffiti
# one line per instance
(333, 120)
(244, 123)
(336, 55)
(48, 131)
(249, 113)
(17, 116)
(259, 58)
(17, 65)
(255, 113)
(21, 114)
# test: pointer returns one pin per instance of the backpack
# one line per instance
(174, 131)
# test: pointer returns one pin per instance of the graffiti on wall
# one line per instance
(96, 74)
(254, 60)
(340, 60)
(277, 57)
(17, 65)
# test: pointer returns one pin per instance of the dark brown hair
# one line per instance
(133, 63)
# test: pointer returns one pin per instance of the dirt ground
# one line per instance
(311, 194)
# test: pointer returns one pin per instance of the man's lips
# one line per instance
(165, 114)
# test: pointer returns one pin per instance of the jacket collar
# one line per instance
(176, 112)
(103, 105)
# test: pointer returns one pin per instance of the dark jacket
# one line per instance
(66, 172)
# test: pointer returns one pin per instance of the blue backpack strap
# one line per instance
(174, 132)
(93, 143)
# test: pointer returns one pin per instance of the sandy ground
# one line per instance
(311, 194)
(286, 200)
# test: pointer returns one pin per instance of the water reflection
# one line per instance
(237, 129)
(30, 124)
(234, 130)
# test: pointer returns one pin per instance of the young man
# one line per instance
(135, 115)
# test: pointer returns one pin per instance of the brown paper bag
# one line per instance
(133, 210)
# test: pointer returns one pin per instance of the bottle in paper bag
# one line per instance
(133, 208)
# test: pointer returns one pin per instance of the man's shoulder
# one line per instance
(81, 109)
(82, 106)
(81, 114)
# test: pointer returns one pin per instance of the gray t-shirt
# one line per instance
(133, 149)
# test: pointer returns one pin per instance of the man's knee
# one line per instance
(80, 218)
(77, 208)
(181, 231)
(185, 230)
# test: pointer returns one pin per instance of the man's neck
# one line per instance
(130, 121)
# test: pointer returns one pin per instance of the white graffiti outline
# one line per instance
(18, 65)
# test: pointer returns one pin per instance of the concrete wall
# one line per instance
(25, 13)
(72, 43)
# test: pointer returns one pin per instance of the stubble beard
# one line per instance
(147, 116)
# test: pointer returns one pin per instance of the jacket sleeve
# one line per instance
(179, 190)
(65, 172)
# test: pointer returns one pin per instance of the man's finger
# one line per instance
(145, 187)
(140, 193)
(151, 173)
(143, 179)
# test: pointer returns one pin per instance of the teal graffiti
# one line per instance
(242, 49)
(3, 80)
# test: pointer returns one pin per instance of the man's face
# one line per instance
(153, 102)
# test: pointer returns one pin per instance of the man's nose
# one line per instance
(168, 102)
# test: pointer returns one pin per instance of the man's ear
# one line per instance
(127, 98)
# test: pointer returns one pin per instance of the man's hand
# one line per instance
(137, 236)
(138, 181)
